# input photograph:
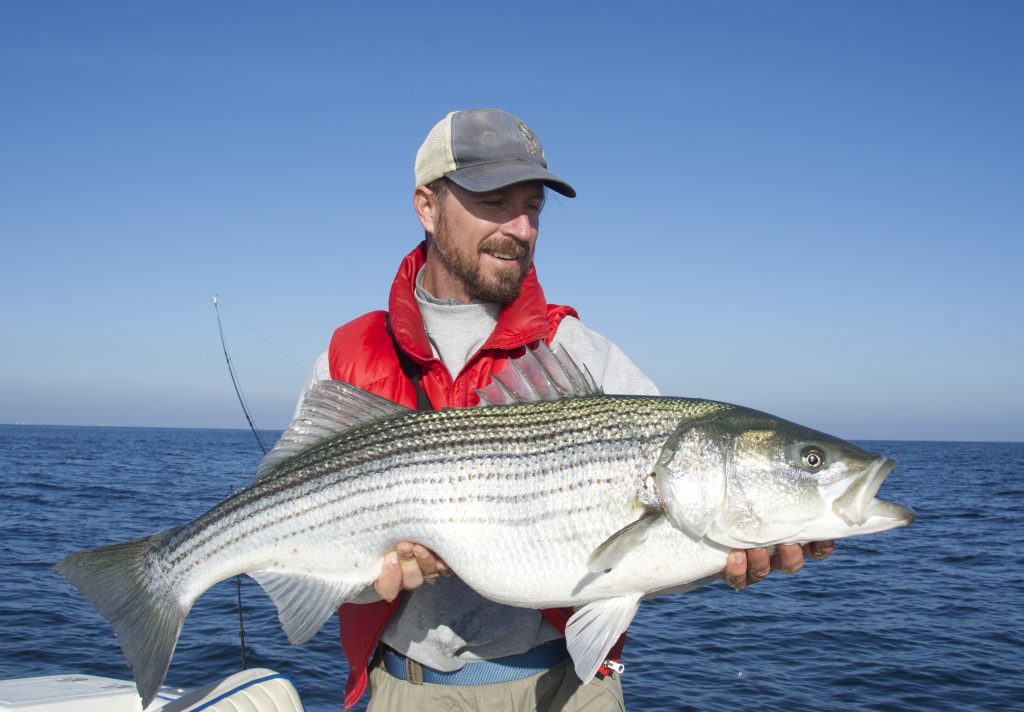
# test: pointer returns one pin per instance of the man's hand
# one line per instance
(744, 567)
(409, 566)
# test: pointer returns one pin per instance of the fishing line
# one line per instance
(269, 343)
(234, 379)
(252, 426)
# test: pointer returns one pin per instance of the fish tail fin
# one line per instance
(146, 616)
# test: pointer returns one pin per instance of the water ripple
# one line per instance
(924, 618)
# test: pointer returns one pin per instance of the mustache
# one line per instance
(505, 246)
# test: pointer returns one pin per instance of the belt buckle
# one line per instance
(413, 671)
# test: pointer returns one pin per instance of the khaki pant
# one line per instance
(554, 690)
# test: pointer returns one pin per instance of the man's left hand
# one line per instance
(748, 566)
(408, 567)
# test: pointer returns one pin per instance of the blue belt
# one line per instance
(484, 672)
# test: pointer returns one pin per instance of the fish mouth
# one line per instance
(858, 507)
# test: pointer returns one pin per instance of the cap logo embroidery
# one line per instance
(532, 144)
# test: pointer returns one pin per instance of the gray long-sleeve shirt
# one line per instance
(446, 625)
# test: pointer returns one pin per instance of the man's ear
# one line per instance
(424, 201)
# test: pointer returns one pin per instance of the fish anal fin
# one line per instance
(304, 601)
(610, 552)
(593, 630)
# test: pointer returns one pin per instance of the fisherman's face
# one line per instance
(483, 243)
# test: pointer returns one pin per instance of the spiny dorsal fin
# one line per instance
(538, 375)
(329, 408)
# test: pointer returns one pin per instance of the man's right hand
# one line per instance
(409, 566)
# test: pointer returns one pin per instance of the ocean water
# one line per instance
(925, 618)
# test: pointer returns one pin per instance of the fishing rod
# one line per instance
(252, 426)
(234, 378)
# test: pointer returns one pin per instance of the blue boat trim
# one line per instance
(239, 688)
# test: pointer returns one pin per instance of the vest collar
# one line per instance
(520, 322)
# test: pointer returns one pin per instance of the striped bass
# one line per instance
(553, 495)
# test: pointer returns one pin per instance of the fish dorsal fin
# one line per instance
(538, 375)
(329, 408)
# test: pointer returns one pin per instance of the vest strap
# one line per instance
(409, 368)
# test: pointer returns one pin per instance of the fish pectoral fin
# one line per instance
(593, 630)
(304, 602)
(610, 552)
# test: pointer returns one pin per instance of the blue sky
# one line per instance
(811, 208)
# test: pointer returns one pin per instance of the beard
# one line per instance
(501, 287)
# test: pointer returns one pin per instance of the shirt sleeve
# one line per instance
(320, 371)
(611, 368)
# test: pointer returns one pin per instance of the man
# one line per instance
(462, 302)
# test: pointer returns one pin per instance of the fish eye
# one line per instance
(812, 458)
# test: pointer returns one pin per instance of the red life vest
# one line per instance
(362, 353)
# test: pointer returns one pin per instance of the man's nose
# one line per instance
(521, 226)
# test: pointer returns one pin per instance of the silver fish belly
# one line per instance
(592, 501)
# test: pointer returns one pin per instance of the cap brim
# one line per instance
(492, 176)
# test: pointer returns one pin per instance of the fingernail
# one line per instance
(391, 559)
(420, 552)
(737, 556)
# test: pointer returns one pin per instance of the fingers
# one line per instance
(408, 567)
(819, 550)
(431, 565)
(389, 583)
(412, 576)
(788, 558)
(744, 567)
(759, 564)
(735, 573)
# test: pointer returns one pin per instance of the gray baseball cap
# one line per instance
(485, 149)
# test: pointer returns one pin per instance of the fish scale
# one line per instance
(613, 441)
(588, 500)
